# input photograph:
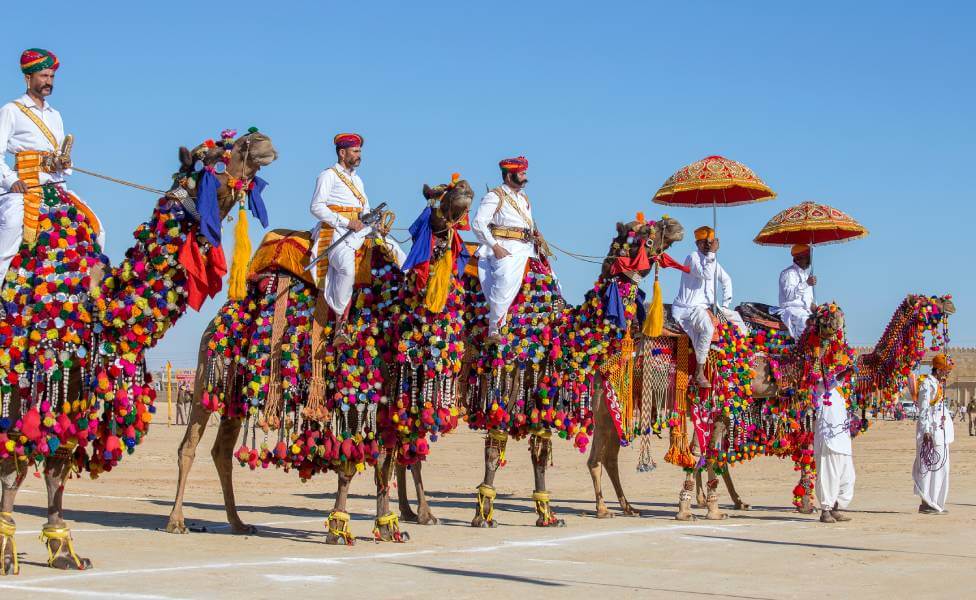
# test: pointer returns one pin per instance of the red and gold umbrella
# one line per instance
(713, 181)
(810, 223)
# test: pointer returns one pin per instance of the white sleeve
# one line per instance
(726, 282)
(791, 289)
(701, 266)
(7, 175)
(320, 201)
(482, 219)
(926, 394)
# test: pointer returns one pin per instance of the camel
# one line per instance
(387, 309)
(76, 393)
(539, 382)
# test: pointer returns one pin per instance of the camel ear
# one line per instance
(428, 192)
(186, 160)
(621, 228)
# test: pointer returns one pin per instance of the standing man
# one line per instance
(33, 133)
(934, 432)
(832, 451)
(971, 413)
(509, 237)
(696, 294)
(338, 202)
(796, 292)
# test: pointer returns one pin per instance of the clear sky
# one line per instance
(866, 106)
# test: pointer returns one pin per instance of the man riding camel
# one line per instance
(338, 203)
(33, 132)
(796, 292)
(696, 294)
(509, 238)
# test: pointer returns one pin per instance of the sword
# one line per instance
(370, 219)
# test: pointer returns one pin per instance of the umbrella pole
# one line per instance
(715, 271)
(811, 269)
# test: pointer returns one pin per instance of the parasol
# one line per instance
(810, 223)
(712, 182)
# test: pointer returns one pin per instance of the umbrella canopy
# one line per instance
(810, 223)
(713, 181)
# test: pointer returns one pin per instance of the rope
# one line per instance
(119, 181)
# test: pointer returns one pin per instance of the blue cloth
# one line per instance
(614, 305)
(421, 234)
(256, 203)
(210, 220)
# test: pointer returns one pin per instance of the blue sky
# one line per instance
(865, 106)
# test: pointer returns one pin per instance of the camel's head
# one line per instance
(944, 304)
(827, 322)
(634, 245)
(233, 162)
(666, 231)
(450, 202)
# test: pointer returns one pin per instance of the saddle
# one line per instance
(758, 315)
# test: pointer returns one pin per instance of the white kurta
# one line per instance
(795, 299)
(18, 134)
(696, 294)
(832, 450)
(934, 418)
(341, 275)
(501, 279)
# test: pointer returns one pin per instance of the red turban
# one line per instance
(37, 59)
(348, 140)
(514, 165)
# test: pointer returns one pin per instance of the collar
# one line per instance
(29, 103)
(339, 166)
(512, 192)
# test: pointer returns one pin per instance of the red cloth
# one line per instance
(204, 275)
(665, 260)
(515, 165)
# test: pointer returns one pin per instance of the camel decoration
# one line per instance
(75, 391)
(778, 417)
(540, 381)
(268, 361)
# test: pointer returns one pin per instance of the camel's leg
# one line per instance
(736, 499)
(684, 499)
(338, 522)
(424, 515)
(185, 456)
(595, 465)
(613, 471)
(495, 442)
(711, 499)
(387, 525)
(55, 533)
(406, 513)
(11, 478)
(540, 447)
(223, 456)
(699, 490)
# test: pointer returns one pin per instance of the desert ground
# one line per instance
(888, 550)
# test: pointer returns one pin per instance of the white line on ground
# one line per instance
(83, 593)
(301, 578)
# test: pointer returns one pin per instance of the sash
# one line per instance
(504, 196)
(326, 232)
(40, 125)
(352, 187)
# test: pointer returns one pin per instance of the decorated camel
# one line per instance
(552, 362)
(75, 391)
(777, 416)
(268, 363)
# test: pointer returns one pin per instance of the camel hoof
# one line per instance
(483, 523)
(243, 529)
(337, 540)
(805, 511)
(553, 522)
(742, 505)
(717, 516)
(604, 514)
(408, 516)
(178, 527)
(685, 516)
(66, 563)
(630, 511)
(426, 519)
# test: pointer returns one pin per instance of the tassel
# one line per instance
(439, 283)
(654, 325)
(242, 256)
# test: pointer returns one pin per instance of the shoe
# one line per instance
(839, 516)
(826, 517)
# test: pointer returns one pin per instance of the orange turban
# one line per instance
(348, 140)
(799, 249)
(704, 233)
(942, 363)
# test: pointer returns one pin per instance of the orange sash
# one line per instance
(326, 232)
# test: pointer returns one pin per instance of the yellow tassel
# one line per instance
(440, 283)
(237, 287)
(654, 325)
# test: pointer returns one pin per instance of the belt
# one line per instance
(326, 233)
(511, 233)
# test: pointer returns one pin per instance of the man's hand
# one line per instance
(812, 280)
(500, 252)
(355, 225)
(927, 437)
(19, 187)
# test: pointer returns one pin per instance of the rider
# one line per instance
(696, 294)
(796, 292)
(509, 238)
(338, 202)
(32, 131)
